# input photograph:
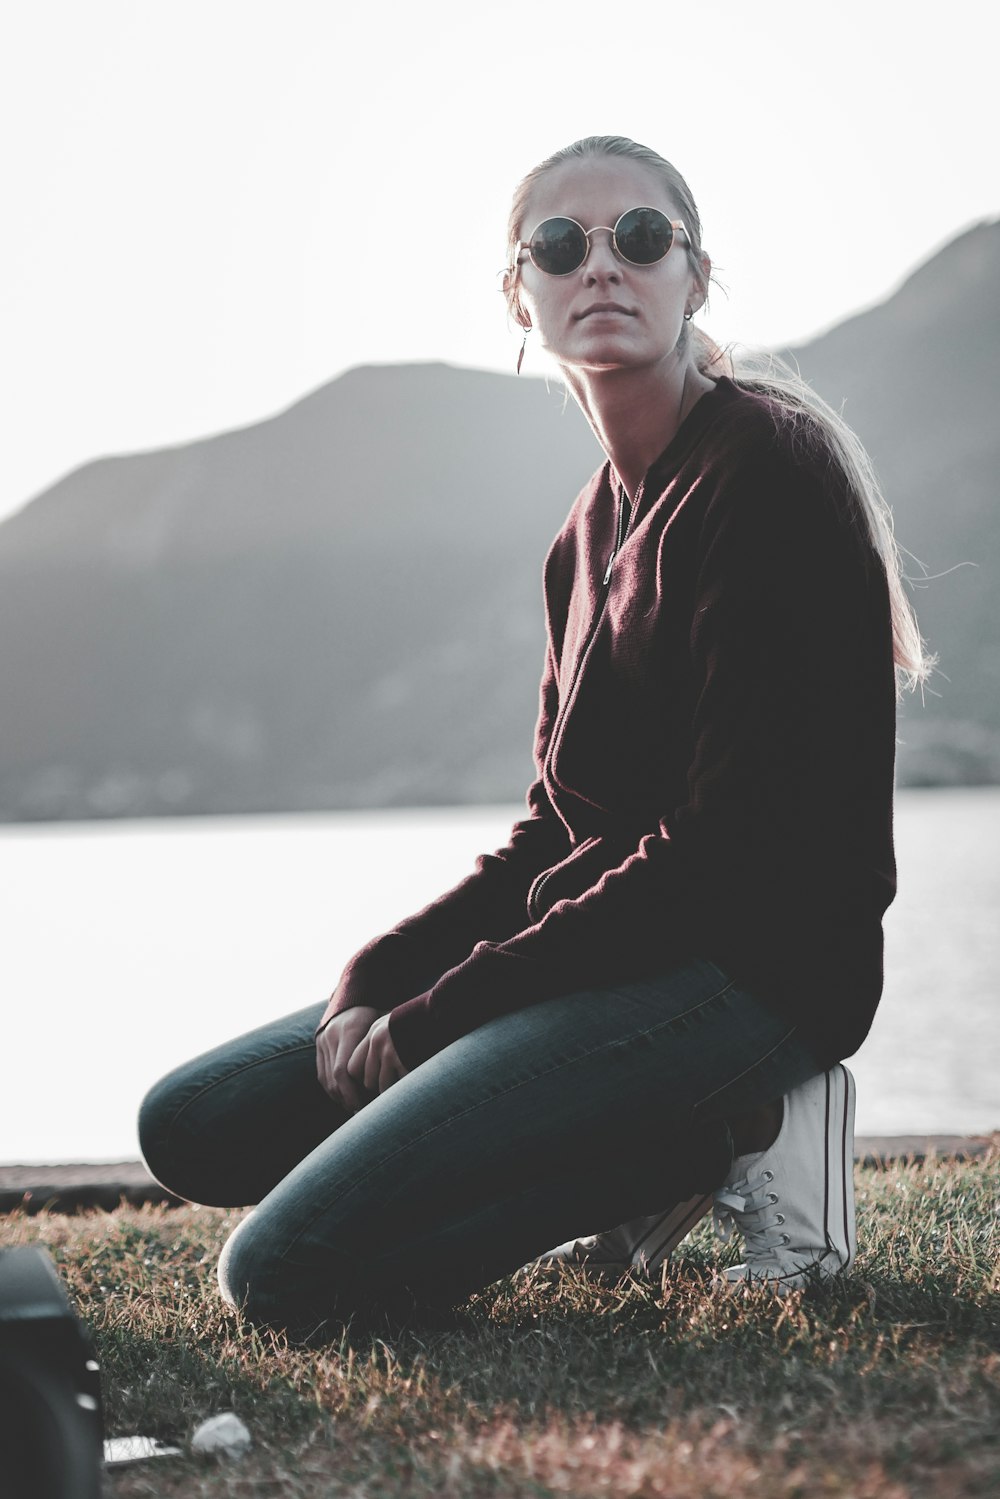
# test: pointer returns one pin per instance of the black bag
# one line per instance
(51, 1422)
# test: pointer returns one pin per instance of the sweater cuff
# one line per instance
(379, 975)
(413, 1031)
(490, 983)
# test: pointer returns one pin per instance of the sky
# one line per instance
(215, 206)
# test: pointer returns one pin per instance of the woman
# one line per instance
(685, 929)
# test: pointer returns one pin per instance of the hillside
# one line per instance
(919, 378)
(336, 608)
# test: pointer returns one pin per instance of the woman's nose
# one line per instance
(602, 264)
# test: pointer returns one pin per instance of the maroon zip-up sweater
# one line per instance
(714, 753)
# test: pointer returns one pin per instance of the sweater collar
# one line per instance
(691, 430)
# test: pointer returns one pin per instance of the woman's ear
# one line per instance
(699, 284)
(514, 304)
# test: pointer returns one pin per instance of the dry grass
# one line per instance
(883, 1387)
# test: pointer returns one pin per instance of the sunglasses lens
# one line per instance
(643, 235)
(558, 246)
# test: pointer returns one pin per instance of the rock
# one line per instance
(223, 1435)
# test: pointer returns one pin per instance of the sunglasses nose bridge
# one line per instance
(613, 253)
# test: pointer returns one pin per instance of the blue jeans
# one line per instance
(559, 1120)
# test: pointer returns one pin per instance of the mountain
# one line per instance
(341, 607)
(919, 378)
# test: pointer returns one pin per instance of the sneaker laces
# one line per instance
(748, 1205)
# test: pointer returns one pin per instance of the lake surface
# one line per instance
(128, 947)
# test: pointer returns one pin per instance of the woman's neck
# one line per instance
(635, 413)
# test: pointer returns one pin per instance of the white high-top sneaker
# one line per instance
(794, 1202)
(641, 1245)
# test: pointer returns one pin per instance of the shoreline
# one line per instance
(79, 1186)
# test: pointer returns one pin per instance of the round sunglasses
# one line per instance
(559, 246)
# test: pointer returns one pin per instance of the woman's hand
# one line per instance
(335, 1045)
(375, 1062)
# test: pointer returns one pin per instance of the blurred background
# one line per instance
(273, 505)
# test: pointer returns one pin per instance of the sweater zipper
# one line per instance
(618, 537)
(595, 621)
(598, 612)
(539, 884)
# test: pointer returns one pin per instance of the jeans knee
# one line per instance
(266, 1292)
(241, 1269)
(156, 1115)
(174, 1151)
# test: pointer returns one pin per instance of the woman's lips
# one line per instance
(604, 307)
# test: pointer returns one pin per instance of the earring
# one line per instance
(524, 341)
(688, 315)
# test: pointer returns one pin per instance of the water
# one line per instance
(130, 946)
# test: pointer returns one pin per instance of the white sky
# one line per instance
(211, 207)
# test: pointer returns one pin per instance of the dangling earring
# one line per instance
(524, 341)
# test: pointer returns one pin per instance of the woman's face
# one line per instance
(607, 314)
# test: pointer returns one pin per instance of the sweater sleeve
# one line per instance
(488, 904)
(787, 642)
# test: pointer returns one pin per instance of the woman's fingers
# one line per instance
(322, 1072)
(389, 1068)
(344, 1037)
(325, 1053)
(355, 1062)
(373, 1061)
(351, 1075)
(389, 1072)
(349, 1091)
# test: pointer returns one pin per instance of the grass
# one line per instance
(886, 1386)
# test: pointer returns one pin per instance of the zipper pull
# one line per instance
(619, 537)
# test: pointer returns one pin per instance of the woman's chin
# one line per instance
(607, 360)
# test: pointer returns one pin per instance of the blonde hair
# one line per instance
(762, 374)
(768, 375)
